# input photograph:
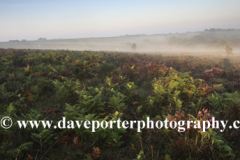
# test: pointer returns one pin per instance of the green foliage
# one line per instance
(140, 156)
(116, 102)
(107, 86)
(17, 152)
(217, 140)
(43, 137)
(171, 91)
(216, 101)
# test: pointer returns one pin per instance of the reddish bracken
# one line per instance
(212, 72)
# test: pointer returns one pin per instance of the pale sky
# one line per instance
(32, 19)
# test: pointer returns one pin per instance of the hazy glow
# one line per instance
(28, 19)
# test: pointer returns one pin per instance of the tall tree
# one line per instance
(134, 46)
(228, 49)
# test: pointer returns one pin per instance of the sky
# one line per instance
(54, 19)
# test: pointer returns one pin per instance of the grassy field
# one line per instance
(87, 85)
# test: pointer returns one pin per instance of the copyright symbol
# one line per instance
(6, 122)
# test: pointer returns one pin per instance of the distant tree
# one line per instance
(134, 46)
(212, 29)
(198, 39)
(42, 39)
(13, 40)
(228, 49)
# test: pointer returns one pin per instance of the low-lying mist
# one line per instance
(211, 41)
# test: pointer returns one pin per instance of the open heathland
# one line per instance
(88, 85)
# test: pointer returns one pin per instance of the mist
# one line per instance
(208, 41)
